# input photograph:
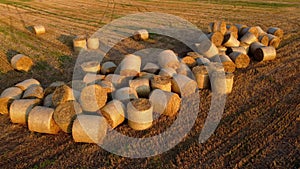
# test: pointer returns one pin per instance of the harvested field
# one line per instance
(259, 127)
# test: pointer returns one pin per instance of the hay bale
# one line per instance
(219, 26)
(62, 94)
(140, 114)
(189, 61)
(12, 93)
(236, 49)
(222, 50)
(4, 105)
(141, 86)
(275, 31)
(228, 64)
(260, 31)
(47, 102)
(117, 80)
(170, 72)
(21, 62)
(108, 86)
(230, 40)
(130, 65)
(241, 60)
(77, 86)
(265, 53)
(201, 76)
(202, 61)
(108, 67)
(183, 85)
(151, 68)
(273, 41)
(248, 38)
(264, 39)
(240, 27)
(27, 84)
(165, 102)
(40, 119)
(252, 30)
(91, 78)
(233, 29)
(34, 92)
(161, 82)
(125, 94)
(93, 98)
(229, 82)
(216, 38)
(65, 113)
(114, 113)
(93, 43)
(79, 43)
(206, 48)
(91, 67)
(246, 46)
(168, 59)
(19, 110)
(218, 81)
(51, 88)
(39, 29)
(89, 129)
(184, 70)
(141, 35)
(254, 46)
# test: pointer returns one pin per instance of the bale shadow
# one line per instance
(67, 40)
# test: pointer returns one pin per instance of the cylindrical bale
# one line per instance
(236, 49)
(19, 110)
(241, 60)
(91, 67)
(216, 38)
(189, 61)
(48, 101)
(260, 31)
(254, 46)
(195, 55)
(108, 68)
(276, 31)
(12, 93)
(79, 43)
(265, 53)
(245, 46)
(218, 26)
(27, 83)
(62, 94)
(184, 70)
(108, 86)
(151, 68)
(21, 62)
(183, 85)
(264, 39)
(228, 64)
(230, 40)
(125, 94)
(39, 29)
(130, 65)
(162, 83)
(229, 82)
(170, 72)
(4, 105)
(77, 85)
(218, 82)
(273, 41)
(252, 30)
(141, 35)
(141, 86)
(146, 75)
(201, 76)
(207, 48)
(117, 80)
(168, 59)
(114, 113)
(234, 30)
(65, 114)
(202, 61)
(93, 43)
(222, 50)
(140, 114)
(164, 102)
(248, 38)
(93, 98)
(240, 27)
(92, 78)
(40, 119)
(89, 129)
(51, 88)
(34, 92)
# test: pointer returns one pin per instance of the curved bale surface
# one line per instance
(34, 92)
(93, 98)
(161, 82)
(62, 94)
(28, 83)
(4, 105)
(114, 113)
(21, 62)
(19, 110)
(12, 93)
(183, 85)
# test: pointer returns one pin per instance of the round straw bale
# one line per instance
(218, 82)
(21, 62)
(79, 43)
(252, 30)
(194, 55)
(201, 76)
(216, 38)
(170, 72)
(130, 65)
(241, 60)
(229, 82)
(40, 119)
(260, 31)
(234, 30)
(183, 85)
(230, 40)
(228, 64)
(161, 82)
(125, 94)
(93, 43)
(19, 110)
(91, 78)
(236, 49)
(89, 129)
(114, 113)
(4, 105)
(108, 86)
(62, 94)
(168, 59)
(207, 48)
(141, 87)
(184, 70)
(65, 113)
(93, 98)
(254, 46)
(248, 38)
(246, 46)
(140, 114)
(141, 35)
(117, 80)
(77, 85)
(219, 26)
(264, 39)
(164, 102)
(189, 61)
(276, 31)
(27, 84)
(151, 68)
(51, 88)
(202, 61)
(273, 41)
(240, 27)
(48, 101)
(39, 29)
(222, 50)
(34, 92)
(12, 93)
(265, 53)
(91, 67)
(108, 67)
